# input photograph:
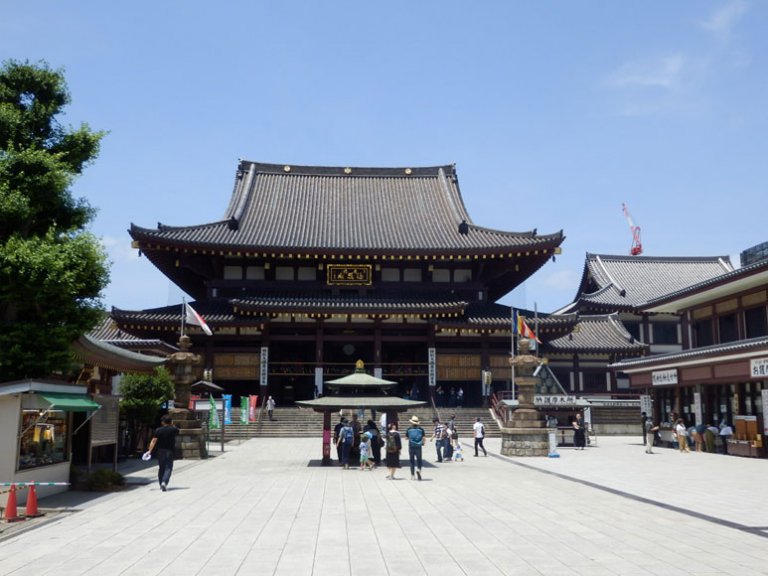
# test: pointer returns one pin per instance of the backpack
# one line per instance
(348, 433)
(391, 443)
(416, 436)
(444, 433)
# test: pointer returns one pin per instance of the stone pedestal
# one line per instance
(525, 434)
(190, 443)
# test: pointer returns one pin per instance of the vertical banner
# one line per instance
(253, 401)
(264, 367)
(764, 393)
(646, 405)
(432, 363)
(213, 416)
(244, 410)
(227, 408)
(697, 408)
(319, 380)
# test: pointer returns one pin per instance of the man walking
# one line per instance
(164, 439)
(479, 430)
(644, 427)
(416, 439)
(438, 437)
(270, 407)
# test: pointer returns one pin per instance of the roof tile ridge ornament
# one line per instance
(241, 195)
(456, 203)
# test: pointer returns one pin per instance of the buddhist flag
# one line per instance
(192, 317)
(520, 328)
(213, 416)
(525, 331)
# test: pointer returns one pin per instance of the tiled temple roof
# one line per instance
(344, 210)
(628, 282)
(110, 333)
(325, 303)
(739, 280)
(597, 334)
(498, 316)
(759, 344)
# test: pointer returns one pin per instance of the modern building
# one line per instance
(313, 268)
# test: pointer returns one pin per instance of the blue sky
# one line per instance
(555, 113)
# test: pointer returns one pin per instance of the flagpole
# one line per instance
(513, 322)
(536, 326)
(183, 312)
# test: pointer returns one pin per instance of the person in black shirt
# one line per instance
(165, 441)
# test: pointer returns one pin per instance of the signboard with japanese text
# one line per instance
(553, 399)
(664, 377)
(349, 274)
(432, 362)
(264, 366)
(758, 368)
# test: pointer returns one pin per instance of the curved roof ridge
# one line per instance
(646, 258)
(608, 274)
(619, 326)
(168, 228)
(288, 168)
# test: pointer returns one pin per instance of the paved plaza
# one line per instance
(265, 506)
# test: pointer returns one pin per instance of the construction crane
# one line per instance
(637, 245)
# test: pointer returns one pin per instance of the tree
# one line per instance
(142, 397)
(52, 270)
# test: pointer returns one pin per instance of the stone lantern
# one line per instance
(183, 365)
(525, 433)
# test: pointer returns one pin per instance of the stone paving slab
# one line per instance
(262, 508)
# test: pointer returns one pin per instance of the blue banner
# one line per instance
(227, 408)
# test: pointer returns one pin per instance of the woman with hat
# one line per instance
(416, 439)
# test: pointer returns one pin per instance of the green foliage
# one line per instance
(142, 395)
(52, 271)
(104, 479)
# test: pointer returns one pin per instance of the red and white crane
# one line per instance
(637, 245)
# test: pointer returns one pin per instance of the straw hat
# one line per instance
(414, 420)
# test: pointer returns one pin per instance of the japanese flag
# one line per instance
(192, 317)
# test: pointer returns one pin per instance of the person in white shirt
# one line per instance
(682, 435)
(479, 431)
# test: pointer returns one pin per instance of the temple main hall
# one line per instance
(311, 269)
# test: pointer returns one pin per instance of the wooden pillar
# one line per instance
(327, 438)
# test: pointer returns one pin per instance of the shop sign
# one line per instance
(553, 399)
(758, 368)
(662, 377)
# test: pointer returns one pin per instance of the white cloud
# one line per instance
(119, 248)
(665, 72)
(723, 20)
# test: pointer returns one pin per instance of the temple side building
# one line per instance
(313, 268)
(613, 322)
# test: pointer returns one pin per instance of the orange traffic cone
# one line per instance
(32, 511)
(11, 513)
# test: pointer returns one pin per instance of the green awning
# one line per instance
(69, 402)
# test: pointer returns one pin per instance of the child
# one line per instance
(365, 449)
